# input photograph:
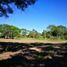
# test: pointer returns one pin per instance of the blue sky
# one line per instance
(39, 16)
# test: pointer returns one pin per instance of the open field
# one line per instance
(29, 40)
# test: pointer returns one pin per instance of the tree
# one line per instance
(5, 7)
(48, 34)
(34, 34)
(44, 33)
(57, 31)
(62, 31)
(65, 34)
(9, 31)
(24, 32)
(53, 30)
(15, 31)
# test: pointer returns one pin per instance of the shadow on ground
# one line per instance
(35, 54)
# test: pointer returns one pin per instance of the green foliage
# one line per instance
(34, 34)
(24, 32)
(20, 4)
(44, 34)
(9, 31)
(57, 31)
(52, 32)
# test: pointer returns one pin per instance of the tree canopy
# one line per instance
(9, 31)
(57, 31)
(20, 4)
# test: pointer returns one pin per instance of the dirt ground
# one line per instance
(31, 41)
(25, 52)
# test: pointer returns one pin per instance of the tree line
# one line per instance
(51, 32)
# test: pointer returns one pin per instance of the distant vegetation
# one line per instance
(51, 32)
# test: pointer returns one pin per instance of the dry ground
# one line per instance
(31, 41)
(9, 55)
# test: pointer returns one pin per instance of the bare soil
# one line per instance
(32, 53)
(31, 41)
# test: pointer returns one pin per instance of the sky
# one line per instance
(38, 16)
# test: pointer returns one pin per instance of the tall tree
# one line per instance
(20, 4)
(62, 31)
(9, 31)
(57, 31)
(53, 30)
